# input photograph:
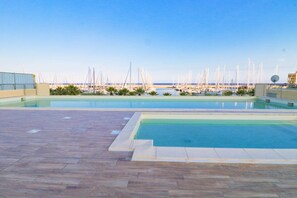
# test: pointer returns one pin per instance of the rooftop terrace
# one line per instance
(68, 157)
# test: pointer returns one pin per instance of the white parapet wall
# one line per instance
(260, 90)
(288, 94)
(42, 89)
(17, 93)
(263, 90)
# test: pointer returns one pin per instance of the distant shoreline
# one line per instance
(164, 84)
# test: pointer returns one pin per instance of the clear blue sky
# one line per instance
(168, 38)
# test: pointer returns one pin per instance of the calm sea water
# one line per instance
(220, 133)
(147, 103)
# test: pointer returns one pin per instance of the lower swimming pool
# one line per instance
(219, 133)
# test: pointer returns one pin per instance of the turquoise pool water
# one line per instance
(147, 103)
(220, 133)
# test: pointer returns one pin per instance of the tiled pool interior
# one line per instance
(219, 133)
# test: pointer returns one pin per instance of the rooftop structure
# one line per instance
(20, 84)
(292, 78)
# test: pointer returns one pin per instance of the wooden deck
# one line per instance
(69, 158)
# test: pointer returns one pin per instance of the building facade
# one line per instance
(292, 78)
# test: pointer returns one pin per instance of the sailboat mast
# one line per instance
(101, 79)
(94, 81)
(137, 76)
(130, 75)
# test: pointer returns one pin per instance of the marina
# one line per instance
(223, 81)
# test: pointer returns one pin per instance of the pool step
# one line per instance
(144, 150)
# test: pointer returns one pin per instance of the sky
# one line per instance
(170, 39)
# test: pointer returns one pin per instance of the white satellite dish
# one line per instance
(274, 78)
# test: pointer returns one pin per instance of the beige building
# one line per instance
(292, 78)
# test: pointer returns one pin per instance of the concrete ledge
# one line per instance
(198, 98)
(278, 100)
(182, 111)
(17, 93)
(171, 154)
(202, 155)
(212, 155)
(124, 141)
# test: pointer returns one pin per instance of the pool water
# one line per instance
(148, 103)
(219, 133)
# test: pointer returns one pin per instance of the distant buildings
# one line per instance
(292, 78)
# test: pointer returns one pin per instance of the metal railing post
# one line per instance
(1, 85)
(14, 77)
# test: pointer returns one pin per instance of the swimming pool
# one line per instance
(147, 103)
(210, 137)
(219, 133)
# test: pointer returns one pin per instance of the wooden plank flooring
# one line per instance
(69, 158)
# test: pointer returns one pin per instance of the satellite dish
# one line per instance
(274, 78)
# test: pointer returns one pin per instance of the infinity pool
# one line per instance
(219, 133)
(216, 103)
